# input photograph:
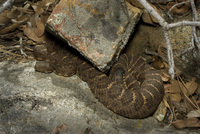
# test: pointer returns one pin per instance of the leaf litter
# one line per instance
(29, 20)
(181, 99)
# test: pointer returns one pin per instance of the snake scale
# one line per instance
(132, 89)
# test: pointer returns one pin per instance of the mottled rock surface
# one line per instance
(99, 29)
(37, 103)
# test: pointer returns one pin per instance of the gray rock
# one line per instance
(98, 30)
(37, 103)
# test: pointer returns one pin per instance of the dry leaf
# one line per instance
(32, 21)
(38, 9)
(10, 28)
(39, 30)
(173, 87)
(193, 113)
(135, 3)
(165, 102)
(43, 5)
(160, 51)
(44, 18)
(21, 20)
(15, 12)
(4, 20)
(147, 18)
(157, 63)
(166, 65)
(180, 106)
(189, 122)
(167, 88)
(191, 87)
(183, 107)
(28, 31)
(164, 75)
(176, 97)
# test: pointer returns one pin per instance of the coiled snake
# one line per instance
(133, 89)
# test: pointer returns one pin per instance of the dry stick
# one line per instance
(195, 105)
(8, 52)
(194, 11)
(169, 54)
(5, 5)
(166, 27)
(195, 18)
(171, 109)
(168, 13)
(179, 83)
(21, 47)
(194, 41)
(156, 54)
(16, 47)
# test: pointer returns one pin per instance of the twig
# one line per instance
(171, 117)
(177, 4)
(5, 51)
(187, 98)
(195, 18)
(11, 47)
(166, 26)
(169, 54)
(21, 47)
(5, 5)
(156, 54)
(182, 23)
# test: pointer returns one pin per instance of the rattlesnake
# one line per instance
(133, 88)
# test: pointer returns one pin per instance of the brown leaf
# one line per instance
(44, 18)
(4, 20)
(167, 88)
(191, 87)
(166, 102)
(135, 3)
(10, 28)
(189, 122)
(164, 75)
(43, 5)
(193, 113)
(157, 63)
(32, 21)
(176, 97)
(28, 31)
(160, 51)
(183, 107)
(15, 12)
(146, 17)
(21, 20)
(173, 87)
(38, 9)
(39, 30)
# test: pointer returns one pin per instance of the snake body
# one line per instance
(132, 89)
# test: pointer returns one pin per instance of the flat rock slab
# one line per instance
(97, 29)
(37, 103)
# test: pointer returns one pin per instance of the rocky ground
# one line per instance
(38, 103)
